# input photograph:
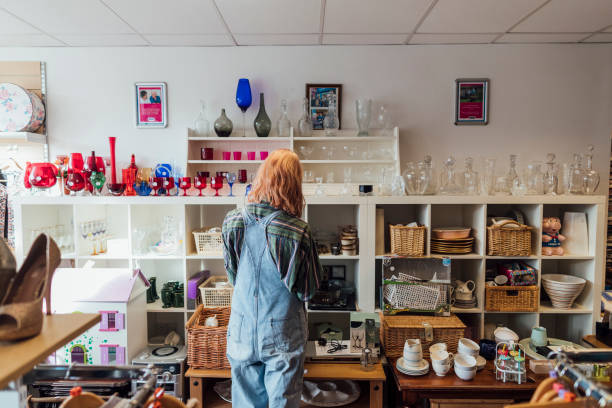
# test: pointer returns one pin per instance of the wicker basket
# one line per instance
(504, 240)
(407, 241)
(397, 329)
(215, 297)
(208, 243)
(206, 346)
(511, 298)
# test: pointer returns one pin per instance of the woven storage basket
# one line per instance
(397, 329)
(208, 243)
(504, 240)
(407, 241)
(215, 297)
(206, 346)
(511, 298)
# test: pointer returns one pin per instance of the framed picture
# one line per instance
(151, 105)
(319, 96)
(472, 101)
(338, 272)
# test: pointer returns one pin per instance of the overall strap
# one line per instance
(269, 218)
(247, 217)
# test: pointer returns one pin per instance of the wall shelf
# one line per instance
(23, 137)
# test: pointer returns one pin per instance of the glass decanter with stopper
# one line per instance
(430, 174)
(283, 125)
(591, 176)
(535, 178)
(512, 177)
(551, 177)
(331, 123)
(576, 176)
(201, 124)
(448, 178)
(305, 122)
(470, 178)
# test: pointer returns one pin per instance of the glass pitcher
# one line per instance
(512, 177)
(305, 122)
(576, 176)
(591, 177)
(201, 124)
(331, 123)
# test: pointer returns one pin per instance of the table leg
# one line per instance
(196, 389)
(409, 399)
(376, 394)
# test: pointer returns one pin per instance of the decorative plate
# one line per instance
(20, 109)
(330, 393)
(552, 343)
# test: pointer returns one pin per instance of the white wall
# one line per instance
(543, 97)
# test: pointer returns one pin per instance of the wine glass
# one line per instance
(243, 100)
(168, 184)
(185, 184)
(200, 184)
(231, 179)
(75, 182)
(156, 184)
(217, 184)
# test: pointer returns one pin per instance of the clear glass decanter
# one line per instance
(534, 178)
(591, 177)
(201, 124)
(305, 122)
(470, 178)
(576, 176)
(512, 176)
(331, 123)
(432, 185)
(448, 178)
(551, 176)
(283, 125)
(487, 184)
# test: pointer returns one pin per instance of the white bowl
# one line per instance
(464, 362)
(468, 347)
(504, 334)
(465, 375)
(562, 289)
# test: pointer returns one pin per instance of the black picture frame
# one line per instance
(318, 105)
(338, 272)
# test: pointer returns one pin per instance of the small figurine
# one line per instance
(551, 239)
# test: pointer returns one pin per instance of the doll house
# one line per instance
(119, 295)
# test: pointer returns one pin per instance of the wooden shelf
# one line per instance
(239, 139)
(20, 357)
(236, 162)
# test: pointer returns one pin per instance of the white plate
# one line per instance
(422, 369)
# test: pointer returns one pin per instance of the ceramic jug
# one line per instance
(464, 290)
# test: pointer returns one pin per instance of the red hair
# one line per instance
(279, 182)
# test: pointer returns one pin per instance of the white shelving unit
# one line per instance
(325, 214)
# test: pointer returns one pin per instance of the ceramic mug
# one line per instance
(465, 363)
(437, 347)
(441, 369)
(442, 357)
(539, 337)
(468, 347)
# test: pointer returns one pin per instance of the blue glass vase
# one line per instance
(243, 100)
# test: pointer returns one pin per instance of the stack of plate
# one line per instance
(465, 304)
(421, 368)
(452, 246)
(562, 289)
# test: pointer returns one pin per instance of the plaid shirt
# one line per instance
(291, 245)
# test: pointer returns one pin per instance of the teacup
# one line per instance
(437, 347)
(441, 369)
(465, 363)
(442, 357)
(539, 338)
(465, 374)
(468, 347)
(413, 358)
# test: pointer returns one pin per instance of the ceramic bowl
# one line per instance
(451, 233)
(562, 289)
(505, 335)
(468, 347)
(465, 363)
(465, 375)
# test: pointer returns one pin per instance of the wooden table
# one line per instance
(21, 356)
(201, 382)
(450, 391)
(592, 341)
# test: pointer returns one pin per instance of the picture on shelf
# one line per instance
(151, 105)
(319, 97)
(471, 102)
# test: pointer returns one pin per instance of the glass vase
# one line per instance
(201, 124)
(331, 124)
(448, 178)
(262, 123)
(283, 125)
(363, 109)
(576, 176)
(591, 176)
(305, 122)
(470, 178)
(223, 125)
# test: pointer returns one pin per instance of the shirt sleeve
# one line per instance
(232, 233)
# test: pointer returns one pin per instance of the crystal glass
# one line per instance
(305, 122)
(320, 190)
(448, 178)
(331, 124)
(591, 177)
(398, 186)
(487, 183)
(75, 182)
(243, 100)
(217, 184)
(201, 124)
(470, 178)
(350, 152)
(223, 125)
(331, 177)
(308, 177)
(576, 176)
(363, 110)
(512, 176)
(305, 151)
(185, 184)
(168, 184)
(169, 239)
(551, 177)
(231, 179)
(410, 178)
(328, 152)
(41, 175)
(432, 185)
(283, 125)
(200, 184)
(534, 177)
(156, 184)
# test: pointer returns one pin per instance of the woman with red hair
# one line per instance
(272, 261)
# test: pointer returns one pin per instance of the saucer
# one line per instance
(421, 369)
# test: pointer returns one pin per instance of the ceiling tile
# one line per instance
(452, 38)
(564, 16)
(367, 16)
(28, 40)
(271, 16)
(190, 40)
(600, 38)
(277, 39)
(476, 16)
(364, 39)
(170, 17)
(102, 40)
(12, 25)
(540, 38)
(67, 16)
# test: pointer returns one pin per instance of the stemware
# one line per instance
(114, 187)
(305, 122)
(201, 124)
(200, 184)
(185, 184)
(75, 182)
(591, 176)
(76, 162)
(243, 100)
(470, 178)
(231, 179)
(363, 109)
(156, 184)
(551, 178)
(217, 184)
(576, 176)
(306, 151)
(331, 124)
(168, 184)
(328, 152)
(97, 180)
(448, 179)
(283, 125)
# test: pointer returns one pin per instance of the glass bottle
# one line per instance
(201, 124)
(470, 178)
(410, 178)
(331, 123)
(591, 177)
(432, 185)
(305, 122)
(487, 184)
(551, 177)
(262, 123)
(512, 177)
(363, 109)
(223, 125)
(576, 176)
(534, 178)
(448, 178)
(283, 125)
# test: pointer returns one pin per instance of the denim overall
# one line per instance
(266, 335)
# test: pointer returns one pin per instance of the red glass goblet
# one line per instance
(168, 184)
(75, 182)
(217, 184)
(200, 184)
(185, 184)
(156, 184)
